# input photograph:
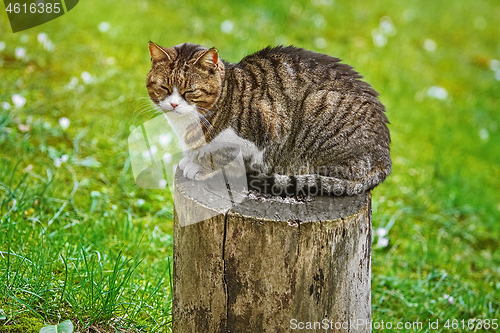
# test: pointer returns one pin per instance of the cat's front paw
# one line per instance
(191, 171)
(184, 162)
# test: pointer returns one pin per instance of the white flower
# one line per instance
(20, 52)
(483, 133)
(379, 39)
(110, 60)
(42, 37)
(319, 21)
(167, 158)
(24, 127)
(381, 232)
(495, 65)
(386, 26)
(383, 242)
(87, 78)
(165, 139)
(320, 43)
(2, 46)
(64, 158)
(48, 45)
(6, 105)
(140, 202)
(104, 26)
(437, 92)
(64, 122)
(449, 298)
(45, 41)
(72, 83)
(18, 100)
(227, 26)
(318, 3)
(162, 183)
(430, 45)
(150, 152)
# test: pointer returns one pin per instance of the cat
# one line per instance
(304, 122)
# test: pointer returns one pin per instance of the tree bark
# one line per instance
(271, 264)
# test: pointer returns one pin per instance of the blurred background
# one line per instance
(80, 241)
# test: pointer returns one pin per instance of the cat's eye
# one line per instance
(165, 88)
(192, 94)
(187, 92)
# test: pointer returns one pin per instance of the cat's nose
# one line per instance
(174, 105)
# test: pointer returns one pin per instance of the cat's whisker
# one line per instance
(208, 112)
(208, 127)
(144, 105)
(145, 109)
(206, 122)
(144, 101)
(142, 110)
(138, 113)
(203, 122)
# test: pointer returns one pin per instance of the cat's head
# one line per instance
(185, 78)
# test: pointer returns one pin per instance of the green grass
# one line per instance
(80, 241)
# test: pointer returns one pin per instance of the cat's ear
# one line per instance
(158, 53)
(209, 58)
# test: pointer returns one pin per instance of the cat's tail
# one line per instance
(313, 184)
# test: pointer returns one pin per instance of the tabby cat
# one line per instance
(302, 120)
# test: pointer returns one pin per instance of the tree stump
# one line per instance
(271, 264)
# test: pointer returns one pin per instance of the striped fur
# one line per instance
(318, 127)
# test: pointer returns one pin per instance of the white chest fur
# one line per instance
(180, 123)
(182, 117)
